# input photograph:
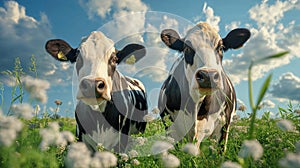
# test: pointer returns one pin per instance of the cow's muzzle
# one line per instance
(208, 79)
(94, 88)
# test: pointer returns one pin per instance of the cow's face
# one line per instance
(202, 49)
(96, 60)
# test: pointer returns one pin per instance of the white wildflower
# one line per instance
(251, 148)
(95, 163)
(36, 87)
(133, 154)
(107, 159)
(23, 110)
(52, 136)
(141, 140)
(161, 147)
(291, 160)
(37, 109)
(148, 118)
(155, 110)
(135, 162)
(68, 136)
(230, 164)
(191, 149)
(78, 156)
(170, 140)
(124, 157)
(285, 125)
(170, 161)
(9, 128)
(7, 136)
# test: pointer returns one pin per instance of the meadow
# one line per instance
(47, 140)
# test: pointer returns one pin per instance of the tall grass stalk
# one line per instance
(17, 89)
(265, 86)
(32, 68)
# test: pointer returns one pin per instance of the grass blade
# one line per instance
(263, 90)
(272, 57)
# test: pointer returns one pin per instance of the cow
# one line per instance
(198, 96)
(110, 106)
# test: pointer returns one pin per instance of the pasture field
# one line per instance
(47, 140)
(25, 150)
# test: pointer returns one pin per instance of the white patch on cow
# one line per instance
(108, 137)
(99, 107)
(205, 127)
(95, 51)
(182, 125)
(204, 41)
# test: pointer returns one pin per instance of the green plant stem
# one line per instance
(254, 109)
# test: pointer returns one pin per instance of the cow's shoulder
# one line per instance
(135, 84)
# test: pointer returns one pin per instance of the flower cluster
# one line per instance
(9, 127)
(52, 136)
(191, 149)
(251, 148)
(79, 156)
(291, 160)
(168, 160)
(286, 125)
(36, 88)
(23, 110)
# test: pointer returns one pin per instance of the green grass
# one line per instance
(25, 150)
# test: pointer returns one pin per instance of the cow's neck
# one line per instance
(100, 107)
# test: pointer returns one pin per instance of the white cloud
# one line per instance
(23, 36)
(232, 25)
(267, 104)
(287, 87)
(103, 8)
(269, 36)
(210, 16)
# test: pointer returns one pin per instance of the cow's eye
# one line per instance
(114, 60)
(220, 49)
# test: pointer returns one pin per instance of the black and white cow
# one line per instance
(110, 106)
(198, 95)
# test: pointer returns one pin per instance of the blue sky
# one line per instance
(275, 26)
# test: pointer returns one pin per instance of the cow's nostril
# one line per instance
(100, 85)
(216, 76)
(200, 76)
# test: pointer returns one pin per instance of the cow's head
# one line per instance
(203, 49)
(96, 60)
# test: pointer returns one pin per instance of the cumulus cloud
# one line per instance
(269, 36)
(267, 104)
(23, 36)
(103, 8)
(210, 17)
(287, 87)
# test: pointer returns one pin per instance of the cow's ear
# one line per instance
(172, 39)
(236, 38)
(61, 50)
(131, 52)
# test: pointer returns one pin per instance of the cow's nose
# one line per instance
(207, 78)
(93, 88)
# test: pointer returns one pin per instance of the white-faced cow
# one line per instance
(109, 104)
(198, 95)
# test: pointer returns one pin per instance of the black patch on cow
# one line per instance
(189, 53)
(172, 93)
(79, 128)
